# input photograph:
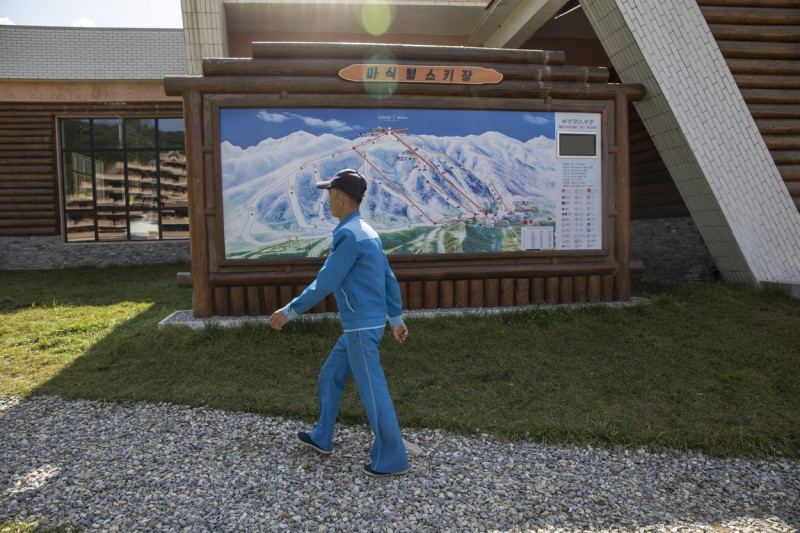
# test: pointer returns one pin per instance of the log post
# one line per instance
(622, 241)
(202, 296)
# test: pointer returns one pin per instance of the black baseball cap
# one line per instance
(348, 181)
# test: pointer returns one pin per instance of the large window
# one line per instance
(124, 179)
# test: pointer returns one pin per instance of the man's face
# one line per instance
(335, 202)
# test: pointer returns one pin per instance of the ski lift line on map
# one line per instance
(377, 139)
(433, 167)
(384, 136)
(371, 140)
(393, 185)
(459, 205)
(446, 159)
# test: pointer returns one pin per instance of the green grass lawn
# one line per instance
(713, 368)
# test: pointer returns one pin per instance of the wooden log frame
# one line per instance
(306, 75)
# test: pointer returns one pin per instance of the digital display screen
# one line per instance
(577, 145)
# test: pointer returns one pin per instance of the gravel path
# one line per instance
(143, 467)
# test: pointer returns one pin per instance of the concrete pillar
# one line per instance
(204, 32)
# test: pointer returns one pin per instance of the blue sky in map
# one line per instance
(246, 127)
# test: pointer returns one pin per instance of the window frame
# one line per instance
(94, 212)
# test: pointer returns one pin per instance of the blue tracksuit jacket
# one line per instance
(358, 274)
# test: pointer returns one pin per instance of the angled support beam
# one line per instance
(698, 120)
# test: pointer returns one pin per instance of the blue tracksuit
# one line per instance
(366, 291)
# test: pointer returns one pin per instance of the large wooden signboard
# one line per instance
(496, 177)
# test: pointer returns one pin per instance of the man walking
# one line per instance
(366, 291)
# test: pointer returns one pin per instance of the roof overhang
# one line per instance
(510, 23)
(450, 18)
(496, 24)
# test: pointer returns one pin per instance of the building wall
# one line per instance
(40, 53)
(45, 253)
(757, 40)
(48, 73)
(204, 32)
(29, 169)
(672, 249)
(761, 45)
(30, 206)
(111, 93)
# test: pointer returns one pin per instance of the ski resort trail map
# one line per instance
(438, 181)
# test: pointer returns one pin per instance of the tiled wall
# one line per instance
(39, 53)
(698, 120)
(204, 31)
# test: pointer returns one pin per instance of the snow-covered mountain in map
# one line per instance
(415, 181)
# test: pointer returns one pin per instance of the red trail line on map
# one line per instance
(395, 187)
(436, 170)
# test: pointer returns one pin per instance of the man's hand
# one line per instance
(278, 319)
(400, 332)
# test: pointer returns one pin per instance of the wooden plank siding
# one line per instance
(258, 293)
(29, 201)
(653, 193)
(760, 41)
(28, 184)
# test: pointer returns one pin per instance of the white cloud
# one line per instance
(333, 124)
(84, 22)
(536, 120)
(272, 117)
(338, 126)
(7, 21)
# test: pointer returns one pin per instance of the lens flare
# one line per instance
(376, 17)
(381, 90)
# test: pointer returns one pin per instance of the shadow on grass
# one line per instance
(248, 368)
(714, 369)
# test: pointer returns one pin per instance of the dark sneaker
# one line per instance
(305, 439)
(371, 472)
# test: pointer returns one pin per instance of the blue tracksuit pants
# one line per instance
(356, 353)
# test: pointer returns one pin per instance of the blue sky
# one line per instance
(247, 127)
(92, 13)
